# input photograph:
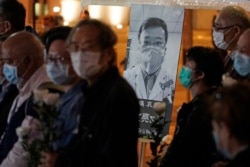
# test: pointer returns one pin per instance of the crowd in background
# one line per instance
(63, 102)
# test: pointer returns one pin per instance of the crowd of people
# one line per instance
(73, 70)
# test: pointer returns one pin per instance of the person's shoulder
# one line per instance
(131, 71)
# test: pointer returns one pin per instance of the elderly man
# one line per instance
(109, 104)
(24, 67)
(229, 24)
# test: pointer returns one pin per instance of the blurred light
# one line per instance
(66, 23)
(119, 26)
(56, 9)
(37, 9)
(70, 10)
(113, 15)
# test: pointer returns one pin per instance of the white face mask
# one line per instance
(218, 38)
(242, 64)
(58, 73)
(86, 64)
(152, 59)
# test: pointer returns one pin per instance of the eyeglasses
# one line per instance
(56, 58)
(224, 28)
(156, 44)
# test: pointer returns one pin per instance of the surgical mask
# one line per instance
(185, 77)
(86, 64)
(58, 73)
(218, 38)
(223, 151)
(10, 73)
(242, 64)
(152, 59)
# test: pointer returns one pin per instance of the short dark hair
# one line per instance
(56, 33)
(14, 12)
(107, 37)
(209, 61)
(153, 22)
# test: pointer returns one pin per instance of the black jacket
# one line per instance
(108, 130)
(241, 159)
(5, 106)
(193, 143)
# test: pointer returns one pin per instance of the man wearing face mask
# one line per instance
(60, 71)
(241, 61)
(8, 93)
(24, 67)
(109, 103)
(193, 144)
(228, 25)
(12, 19)
(149, 78)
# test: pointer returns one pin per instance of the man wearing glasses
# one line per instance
(149, 78)
(229, 24)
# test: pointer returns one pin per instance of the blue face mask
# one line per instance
(242, 64)
(58, 73)
(223, 151)
(185, 77)
(10, 73)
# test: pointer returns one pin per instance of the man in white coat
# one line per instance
(150, 78)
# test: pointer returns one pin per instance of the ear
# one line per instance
(200, 75)
(238, 31)
(7, 26)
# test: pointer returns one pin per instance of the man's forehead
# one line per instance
(85, 34)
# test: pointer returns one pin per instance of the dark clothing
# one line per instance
(241, 159)
(27, 108)
(108, 130)
(10, 136)
(5, 106)
(193, 143)
(69, 108)
(228, 64)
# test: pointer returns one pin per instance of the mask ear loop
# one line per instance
(45, 55)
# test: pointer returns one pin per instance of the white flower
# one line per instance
(167, 139)
(22, 132)
(38, 95)
(159, 107)
(51, 98)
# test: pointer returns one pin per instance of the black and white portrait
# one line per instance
(153, 54)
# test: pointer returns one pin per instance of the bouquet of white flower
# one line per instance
(41, 140)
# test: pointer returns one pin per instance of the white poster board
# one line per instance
(153, 60)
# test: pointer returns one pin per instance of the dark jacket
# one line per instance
(108, 130)
(241, 159)
(5, 106)
(192, 143)
(27, 108)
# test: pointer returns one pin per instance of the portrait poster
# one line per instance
(152, 57)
